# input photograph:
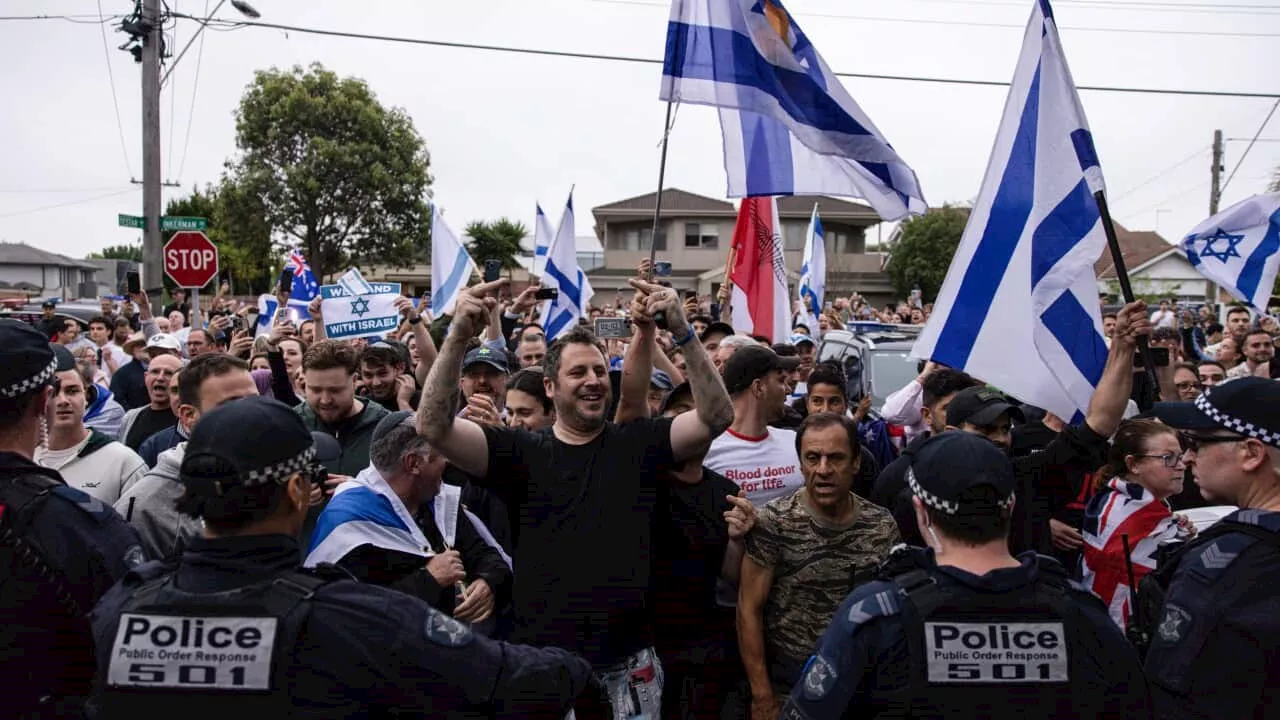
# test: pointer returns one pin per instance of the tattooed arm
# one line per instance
(461, 441)
(692, 432)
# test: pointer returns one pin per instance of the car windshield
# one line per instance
(891, 370)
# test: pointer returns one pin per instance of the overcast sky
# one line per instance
(508, 130)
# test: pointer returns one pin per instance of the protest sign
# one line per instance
(372, 315)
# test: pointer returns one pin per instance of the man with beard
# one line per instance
(759, 458)
(1258, 349)
(332, 407)
(141, 423)
(483, 384)
(586, 484)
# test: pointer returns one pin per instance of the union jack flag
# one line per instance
(1119, 509)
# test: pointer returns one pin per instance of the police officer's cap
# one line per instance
(247, 442)
(947, 465)
(1248, 406)
(29, 362)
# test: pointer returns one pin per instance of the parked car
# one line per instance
(81, 312)
(875, 358)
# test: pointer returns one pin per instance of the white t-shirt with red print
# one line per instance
(764, 467)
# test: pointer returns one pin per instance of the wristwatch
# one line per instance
(415, 319)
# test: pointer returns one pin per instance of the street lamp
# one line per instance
(243, 7)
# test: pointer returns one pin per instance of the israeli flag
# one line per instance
(813, 272)
(1019, 306)
(1239, 249)
(354, 283)
(542, 237)
(451, 266)
(789, 126)
(562, 272)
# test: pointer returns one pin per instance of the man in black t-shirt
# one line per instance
(584, 493)
(143, 422)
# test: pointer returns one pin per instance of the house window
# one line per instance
(634, 239)
(701, 236)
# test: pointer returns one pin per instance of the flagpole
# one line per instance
(1126, 289)
(659, 318)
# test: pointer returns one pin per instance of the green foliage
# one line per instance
(496, 240)
(333, 170)
(237, 225)
(119, 252)
(923, 253)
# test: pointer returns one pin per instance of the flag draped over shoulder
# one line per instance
(451, 265)
(364, 511)
(1122, 509)
(760, 300)
(1019, 306)
(789, 126)
(1239, 248)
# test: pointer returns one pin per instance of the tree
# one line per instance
(335, 171)
(496, 240)
(923, 253)
(238, 227)
(119, 252)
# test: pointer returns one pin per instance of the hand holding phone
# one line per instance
(492, 270)
(546, 294)
(133, 282)
(286, 281)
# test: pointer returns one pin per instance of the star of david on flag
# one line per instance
(1239, 248)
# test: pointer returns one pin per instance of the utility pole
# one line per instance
(1215, 195)
(152, 262)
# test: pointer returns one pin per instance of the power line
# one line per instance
(42, 208)
(1159, 175)
(1175, 196)
(1249, 147)
(971, 23)
(115, 102)
(653, 61)
(191, 111)
(41, 191)
(98, 19)
(1136, 6)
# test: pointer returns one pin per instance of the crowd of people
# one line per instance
(464, 519)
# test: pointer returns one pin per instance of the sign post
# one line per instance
(190, 259)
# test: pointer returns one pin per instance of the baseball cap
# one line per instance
(751, 363)
(162, 342)
(496, 359)
(799, 339)
(785, 349)
(717, 328)
(29, 361)
(948, 464)
(661, 381)
(225, 449)
(680, 391)
(981, 405)
(48, 304)
(1248, 406)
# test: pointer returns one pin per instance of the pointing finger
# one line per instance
(485, 287)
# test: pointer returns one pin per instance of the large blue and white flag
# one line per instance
(1019, 307)
(789, 126)
(542, 237)
(562, 272)
(813, 272)
(1239, 248)
(451, 265)
(305, 288)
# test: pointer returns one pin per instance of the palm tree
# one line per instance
(496, 240)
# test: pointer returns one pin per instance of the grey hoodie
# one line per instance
(148, 505)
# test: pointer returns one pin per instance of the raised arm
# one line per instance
(1106, 407)
(460, 440)
(637, 370)
(692, 432)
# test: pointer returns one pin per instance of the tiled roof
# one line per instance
(1136, 247)
(24, 254)
(674, 200)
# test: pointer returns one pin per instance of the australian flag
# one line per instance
(304, 290)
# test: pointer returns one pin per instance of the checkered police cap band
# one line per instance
(949, 507)
(32, 383)
(1248, 429)
(281, 471)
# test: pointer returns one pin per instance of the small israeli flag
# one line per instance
(451, 265)
(1239, 248)
(354, 283)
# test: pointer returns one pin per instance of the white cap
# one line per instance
(164, 341)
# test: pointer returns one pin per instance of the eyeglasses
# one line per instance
(1196, 442)
(1188, 385)
(1170, 460)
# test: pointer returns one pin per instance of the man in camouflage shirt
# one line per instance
(807, 552)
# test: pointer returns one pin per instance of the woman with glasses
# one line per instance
(1129, 517)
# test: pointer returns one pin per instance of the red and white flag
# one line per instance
(1122, 509)
(759, 274)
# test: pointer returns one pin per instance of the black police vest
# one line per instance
(230, 651)
(37, 601)
(991, 655)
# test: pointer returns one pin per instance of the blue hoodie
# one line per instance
(104, 414)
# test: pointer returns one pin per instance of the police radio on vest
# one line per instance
(190, 633)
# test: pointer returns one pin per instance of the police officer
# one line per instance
(1215, 644)
(60, 549)
(233, 626)
(963, 628)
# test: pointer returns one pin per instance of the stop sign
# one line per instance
(190, 259)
